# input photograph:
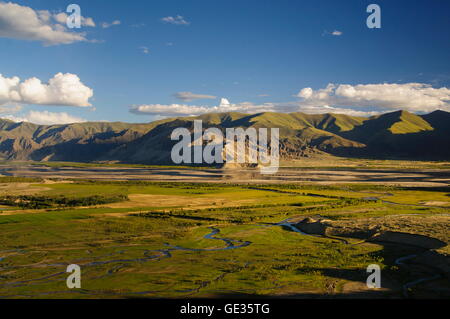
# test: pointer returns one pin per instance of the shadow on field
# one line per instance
(355, 295)
(414, 265)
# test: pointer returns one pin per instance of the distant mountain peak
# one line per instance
(440, 112)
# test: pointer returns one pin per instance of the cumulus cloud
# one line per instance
(246, 107)
(25, 23)
(189, 110)
(414, 97)
(178, 20)
(45, 118)
(224, 103)
(337, 110)
(106, 25)
(189, 96)
(354, 100)
(63, 89)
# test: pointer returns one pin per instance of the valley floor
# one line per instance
(326, 171)
(135, 238)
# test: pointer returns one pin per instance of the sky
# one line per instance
(138, 61)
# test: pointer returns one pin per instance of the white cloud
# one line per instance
(46, 118)
(88, 22)
(106, 25)
(357, 100)
(337, 110)
(224, 103)
(21, 22)
(10, 108)
(144, 50)
(189, 96)
(169, 110)
(188, 110)
(414, 97)
(62, 89)
(246, 107)
(335, 33)
(178, 20)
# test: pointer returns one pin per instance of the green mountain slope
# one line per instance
(395, 134)
(382, 126)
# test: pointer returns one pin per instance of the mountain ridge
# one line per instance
(396, 134)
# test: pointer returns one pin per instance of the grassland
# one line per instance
(156, 243)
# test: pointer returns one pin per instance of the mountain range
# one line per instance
(399, 134)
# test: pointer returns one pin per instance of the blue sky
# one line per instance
(257, 54)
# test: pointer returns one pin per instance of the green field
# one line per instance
(154, 243)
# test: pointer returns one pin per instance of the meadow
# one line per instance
(177, 240)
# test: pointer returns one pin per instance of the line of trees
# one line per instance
(38, 202)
